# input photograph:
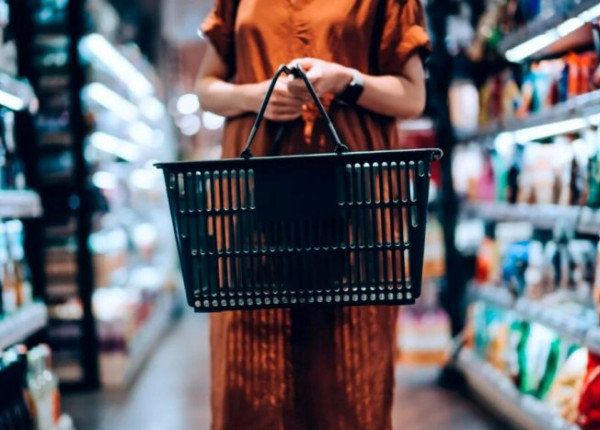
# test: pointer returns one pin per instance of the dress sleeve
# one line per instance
(219, 27)
(404, 34)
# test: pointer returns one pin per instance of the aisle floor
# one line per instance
(168, 397)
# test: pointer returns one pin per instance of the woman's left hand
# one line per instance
(325, 77)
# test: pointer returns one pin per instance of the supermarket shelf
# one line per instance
(568, 327)
(20, 204)
(16, 94)
(571, 115)
(496, 296)
(540, 216)
(25, 322)
(496, 390)
(149, 336)
(551, 33)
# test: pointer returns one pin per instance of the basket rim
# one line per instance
(435, 154)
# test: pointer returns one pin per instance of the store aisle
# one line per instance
(172, 393)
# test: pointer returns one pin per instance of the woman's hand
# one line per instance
(325, 77)
(283, 105)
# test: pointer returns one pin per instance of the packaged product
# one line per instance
(513, 177)
(566, 390)
(534, 272)
(541, 355)
(588, 417)
(500, 168)
(563, 166)
(514, 265)
(593, 175)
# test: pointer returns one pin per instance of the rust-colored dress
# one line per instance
(317, 369)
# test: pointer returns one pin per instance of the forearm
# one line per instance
(224, 98)
(393, 95)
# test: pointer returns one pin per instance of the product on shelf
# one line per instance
(567, 388)
(564, 171)
(545, 84)
(14, 269)
(29, 399)
(12, 175)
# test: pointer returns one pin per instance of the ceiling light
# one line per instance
(152, 109)
(531, 46)
(188, 104)
(115, 146)
(95, 47)
(104, 180)
(212, 121)
(11, 101)
(189, 125)
(111, 101)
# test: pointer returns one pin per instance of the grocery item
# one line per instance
(566, 390)
(588, 417)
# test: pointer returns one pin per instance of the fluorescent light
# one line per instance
(112, 145)
(104, 180)
(11, 101)
(508, 138)
(152, 109)
(111, 101)
(189, 125)
(569, 26)
(591, 13)
(536, 44)
(594, 119)
(504, 143)
(212, 121)
(144, 179)
(188, 104)
(96, 47)
(530, 47)
(141, 133)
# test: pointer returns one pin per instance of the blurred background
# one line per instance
(94, 328)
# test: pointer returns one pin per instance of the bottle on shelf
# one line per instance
(8, 275)
(16, 251)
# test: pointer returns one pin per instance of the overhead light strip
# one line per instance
(95, 48)
(542, 41)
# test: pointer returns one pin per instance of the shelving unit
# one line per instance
(23, 324)
(551, 33)
(100, 125)
(20, 204)
(499, 393)
(572, 115)
(568, 327)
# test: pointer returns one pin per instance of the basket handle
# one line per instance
(298, 72)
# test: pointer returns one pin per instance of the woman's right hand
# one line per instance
(283, 106)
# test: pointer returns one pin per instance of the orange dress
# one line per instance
(313, 369)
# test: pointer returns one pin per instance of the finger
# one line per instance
(306, 62)
(289, 105)
(285, 118)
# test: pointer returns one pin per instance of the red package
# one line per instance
(589, 403)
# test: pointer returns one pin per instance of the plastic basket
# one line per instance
(267, 232)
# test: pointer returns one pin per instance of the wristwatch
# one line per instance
(353, 90)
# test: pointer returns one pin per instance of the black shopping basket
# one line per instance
(346, 228)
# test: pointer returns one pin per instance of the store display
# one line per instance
(14, 274)
(30, 399)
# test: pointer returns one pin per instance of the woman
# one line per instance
(328, 368)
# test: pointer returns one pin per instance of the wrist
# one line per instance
(344, 78)
(250, 99)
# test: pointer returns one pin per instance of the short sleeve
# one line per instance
(404, 34)
(218, 27)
